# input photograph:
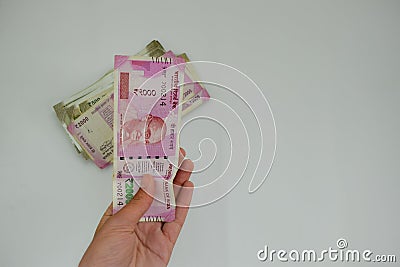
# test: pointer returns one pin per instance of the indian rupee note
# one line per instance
(70, 109)
(146, 125)
(93, 132)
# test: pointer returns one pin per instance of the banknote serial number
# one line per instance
(163, 86)
(82, 122)
(126, 194)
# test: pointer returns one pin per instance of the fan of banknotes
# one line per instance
(131, 117)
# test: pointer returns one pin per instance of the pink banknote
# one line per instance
(190, 87)
(93, 130)
(146, 127)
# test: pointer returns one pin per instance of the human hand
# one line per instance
(120, 240)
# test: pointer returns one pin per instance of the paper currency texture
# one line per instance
(147, 120)
(82, 115)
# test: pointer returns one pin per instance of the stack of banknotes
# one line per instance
(131, 117)
(93, 140)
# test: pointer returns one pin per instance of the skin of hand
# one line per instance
(121, 240)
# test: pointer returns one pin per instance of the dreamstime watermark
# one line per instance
(340, 253)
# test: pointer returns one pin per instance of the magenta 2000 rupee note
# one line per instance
(147, 117)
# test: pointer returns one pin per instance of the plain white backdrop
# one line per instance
(330, 70)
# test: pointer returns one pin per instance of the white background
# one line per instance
(330, 70)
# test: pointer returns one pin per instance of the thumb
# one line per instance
(140, 203)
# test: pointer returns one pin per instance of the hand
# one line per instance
(120, 240)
